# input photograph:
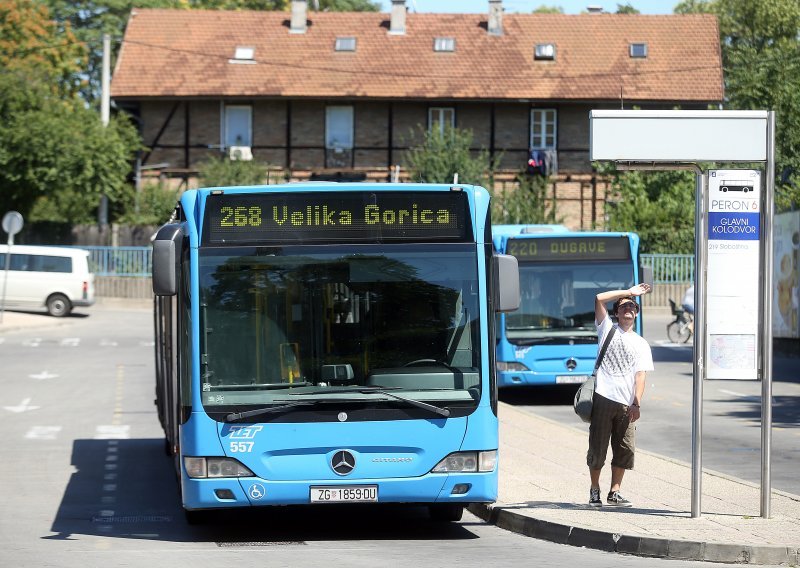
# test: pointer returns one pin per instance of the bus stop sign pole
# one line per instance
(656, 140)
(12, 224)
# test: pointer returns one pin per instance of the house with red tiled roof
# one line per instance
(318, 94)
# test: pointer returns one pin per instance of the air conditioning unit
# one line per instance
(240, 153)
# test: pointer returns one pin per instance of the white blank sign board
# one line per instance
(678, 135)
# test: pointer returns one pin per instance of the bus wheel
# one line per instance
(58, 305)
(196, 517)
(446, 512)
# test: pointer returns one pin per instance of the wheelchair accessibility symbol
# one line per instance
(256, 491)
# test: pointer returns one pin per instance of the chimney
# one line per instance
(495, 17)
(299, 16)
(398, 23)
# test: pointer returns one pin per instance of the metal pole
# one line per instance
(698, 366)
(105, 94)
(5, 277)
(766, 334)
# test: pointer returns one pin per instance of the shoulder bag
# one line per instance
(585, 394)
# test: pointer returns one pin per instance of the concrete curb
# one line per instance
(634, 544)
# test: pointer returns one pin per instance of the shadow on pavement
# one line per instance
(127, 489)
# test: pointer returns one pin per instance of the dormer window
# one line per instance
(345, 44)
(638, 50)
(544, 52)
(444, 44)
(243, 55)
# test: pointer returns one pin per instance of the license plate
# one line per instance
(570, 379)
(345, 494)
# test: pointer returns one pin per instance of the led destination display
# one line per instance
(336, 217)
(569, 249)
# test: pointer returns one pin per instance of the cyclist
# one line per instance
(688, 305)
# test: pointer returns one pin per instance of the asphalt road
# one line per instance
(86, 482)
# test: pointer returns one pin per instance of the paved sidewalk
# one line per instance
(544, 493)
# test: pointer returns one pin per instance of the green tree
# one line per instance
(444, 154)
(348, 6)
(544, 9)
(30, 41)
(222, 171)
(626, 9)
(527, 204)
(56, 158)
(760, 44)
(659, 206)
(152, 205)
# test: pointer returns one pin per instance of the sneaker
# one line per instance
(616, 500)
(594, 498)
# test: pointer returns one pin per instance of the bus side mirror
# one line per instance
(166, 257)
(506, 283)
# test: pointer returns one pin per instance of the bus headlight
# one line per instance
(466, 462)
(215, 467)
(511, 366)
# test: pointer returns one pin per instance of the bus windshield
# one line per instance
(557, 299)
(286, 320)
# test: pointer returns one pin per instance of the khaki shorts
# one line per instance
(610, 421)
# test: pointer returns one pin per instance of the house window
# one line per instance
(238, 125)
(244, 54)
(638, 50)
(441, 117)
(544, 51)
(339, 127)
(345, 44)
(543, 129)
(444, 44)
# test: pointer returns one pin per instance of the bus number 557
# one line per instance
(241, 447)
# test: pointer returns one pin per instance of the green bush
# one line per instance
(222, 172)
(526, 204)
(442, 155)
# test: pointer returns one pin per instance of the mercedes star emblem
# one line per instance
(343, 462)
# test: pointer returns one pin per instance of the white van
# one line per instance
(52, 277)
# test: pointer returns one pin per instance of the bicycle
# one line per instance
(680, 330)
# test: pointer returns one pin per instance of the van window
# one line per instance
(37, 263)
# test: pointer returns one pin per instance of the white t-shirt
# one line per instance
(627, 354)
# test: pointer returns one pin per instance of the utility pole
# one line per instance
(105, 111)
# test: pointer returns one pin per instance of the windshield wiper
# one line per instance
(383, 390)
(234, 416)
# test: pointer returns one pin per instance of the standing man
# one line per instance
(618, 392)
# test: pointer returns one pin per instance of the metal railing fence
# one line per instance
(120, 261)
(670, 268)
(137, 261)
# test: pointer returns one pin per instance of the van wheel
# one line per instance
(58, 305)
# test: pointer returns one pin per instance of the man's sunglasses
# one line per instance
(629, 306)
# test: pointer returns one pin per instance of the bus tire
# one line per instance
(58, 305)
(196, 517)
(446, 512)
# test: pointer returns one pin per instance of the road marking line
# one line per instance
(21, 407)
(43, 433)
(112, 431)
(70, 342)
(43, 375)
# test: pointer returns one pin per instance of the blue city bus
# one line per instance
(330, 343)
(552, 339)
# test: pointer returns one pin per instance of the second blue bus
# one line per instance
(552, 338)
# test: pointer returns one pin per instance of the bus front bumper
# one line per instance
(226, 493)
(530, 378)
